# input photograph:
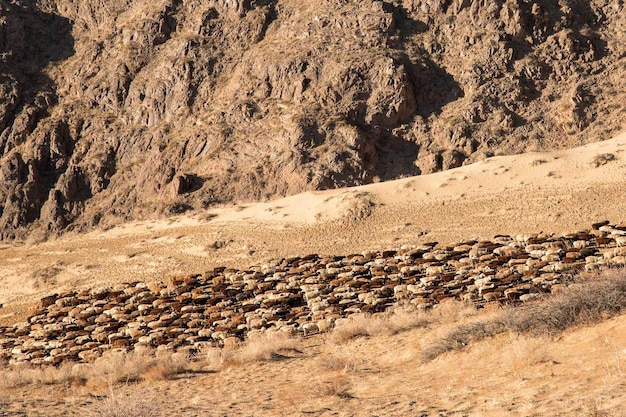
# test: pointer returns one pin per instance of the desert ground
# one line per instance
(580, 372)
(555, 192)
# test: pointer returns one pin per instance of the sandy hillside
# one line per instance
(579, 373)
(552, 192)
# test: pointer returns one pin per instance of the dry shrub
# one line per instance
(451, 312)
(334, 379)
(261, 347)
(602, 159)
(113, 367)
(585, 302)
(134, 404)
(124, 367)
(121, 367)
(401, 319)
(301, 396)
(524, 354)
(336, 385)
(461, 335)
(25, 374)
(337, 363)
(168, 365)
(267, 347)
(354, 326)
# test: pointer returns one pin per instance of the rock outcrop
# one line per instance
(304, 294)
(125, 109)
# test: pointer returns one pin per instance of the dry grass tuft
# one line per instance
(462, 335)
(357, 325)
(336, 385)
(399, 320)
(112, 368)
(124, 367)
(135, 404)
(337, 363)
(25, 374)
(599, 298)
(602, 159)
(262, 347)
(524, 354)
(586, 302)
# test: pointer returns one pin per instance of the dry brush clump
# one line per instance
(463, 334)
(333, 377)
(133, 367)
(124, 404)
(585, 302)
(25, 374)
(337, 363)
(118, 367)
(589, 300)
(115, 367)
(524, 354)
(259, 347)
(335, 385)
(365, 325)
(400, 319)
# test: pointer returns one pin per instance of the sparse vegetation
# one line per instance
(112, 368)
(123, 404)
(263, 347)
(121, 367)
(401, 319)
(24, 374)
(602, 159)
(588, 301)
(335, 366)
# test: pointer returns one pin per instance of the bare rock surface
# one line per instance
(131, 110)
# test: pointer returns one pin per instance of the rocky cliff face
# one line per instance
(128, 109)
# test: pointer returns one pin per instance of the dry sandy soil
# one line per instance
(556, 192)
(578, 374)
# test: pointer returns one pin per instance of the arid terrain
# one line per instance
(556, 192)
(330, 208)
(132, 110)
(383, 370)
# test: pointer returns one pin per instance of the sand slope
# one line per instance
(556, 192)
(579, 374)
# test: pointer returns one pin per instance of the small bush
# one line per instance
(582, 303)
(602, 159)
(267, 347)
(112, 368)
(25, 374)
(333, 386)
(355, 326)
(337, 363)
(121, 367)
(136, 404)
(124, 367)
(262, 347)
(399, 320)
(462, 335)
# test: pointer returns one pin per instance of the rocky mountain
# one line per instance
(128, 109)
